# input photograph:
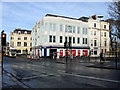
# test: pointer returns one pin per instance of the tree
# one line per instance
(114, 12)
(111, 28)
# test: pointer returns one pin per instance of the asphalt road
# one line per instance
(47, 73)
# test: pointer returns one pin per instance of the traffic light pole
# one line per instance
(1, 59)
(66, 55)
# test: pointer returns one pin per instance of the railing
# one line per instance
(112, 54)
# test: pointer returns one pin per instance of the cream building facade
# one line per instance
(98, 37)
(20, 39)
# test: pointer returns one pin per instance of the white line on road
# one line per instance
(82, 76)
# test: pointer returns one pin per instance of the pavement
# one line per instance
(107, 65)
(94, 62)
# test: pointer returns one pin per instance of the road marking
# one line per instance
(82, 76)
(32, 77)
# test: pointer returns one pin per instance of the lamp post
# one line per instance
(115, 46)
(100, 16)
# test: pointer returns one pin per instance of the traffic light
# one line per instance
(3, 39)
(65, 44)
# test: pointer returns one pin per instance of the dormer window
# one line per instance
(104, 26)
(25, 32)
(19, 32)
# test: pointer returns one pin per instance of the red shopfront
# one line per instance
(61, 53)
(78, 52)
(67, 53)
(74, 52)
(85, 52)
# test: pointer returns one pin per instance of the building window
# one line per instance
(78, 30)
(94, 32)
(78, 40)
(31, 38)
(12, 44)
(70, 29)
(65, 39)
(30, 44)
(105, 43)
(91, 32)
(101, 33)
(73, 29)
(50, 26)
(95, 43)
(18, 43)
(12, 38)
(25, 38)
(46, 26)
(54, 26)
(91, 51)
(66, 28)
(95, 52)
(105, 34)
(61, 27)
(25, 44)
(50, 38)
(70, 39)
(91, 42)
(104, 26)
(54, 39)
(94, 24)
(86, 31)
(19, 32)
(73, 40)
(60, 39)
(83, 31)
(19, 38)
(84, 40)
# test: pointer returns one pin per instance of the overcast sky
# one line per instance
(25, 14)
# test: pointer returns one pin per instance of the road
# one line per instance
(48, 73)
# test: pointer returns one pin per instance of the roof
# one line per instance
(64, 17)
(85, 19)
(22, 30)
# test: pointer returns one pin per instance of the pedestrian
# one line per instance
(102, 56)
(89, 55)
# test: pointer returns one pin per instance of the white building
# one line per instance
(50, 33)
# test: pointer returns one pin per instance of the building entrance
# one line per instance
(52, 51)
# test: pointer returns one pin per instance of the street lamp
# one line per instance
(100, 16)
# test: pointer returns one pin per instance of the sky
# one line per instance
(25, 14)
